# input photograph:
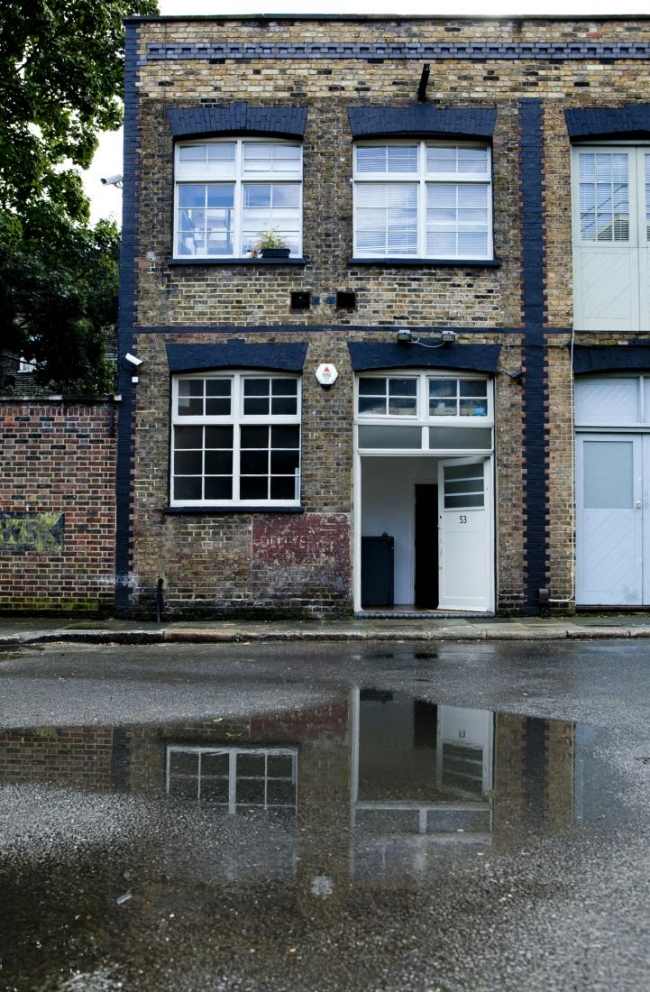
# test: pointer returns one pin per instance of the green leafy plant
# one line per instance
(270, 239)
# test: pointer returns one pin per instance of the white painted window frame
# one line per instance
(182, 177)
(233, 753)
(236, 419)
(423, 179)
(422, 418)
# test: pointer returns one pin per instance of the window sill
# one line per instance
(430, 263)
(296, 262)
(184, 511)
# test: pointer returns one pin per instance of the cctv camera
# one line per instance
(404, 336)
(111, 180)
(133, 359)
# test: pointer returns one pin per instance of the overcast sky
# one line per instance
(106, 200)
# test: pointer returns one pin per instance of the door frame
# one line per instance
(357, 514)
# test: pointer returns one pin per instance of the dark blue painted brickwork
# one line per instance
(422, 119)
(535, 380)
(181, 329)
(632, 120)
(236, 354)
(237, 118)
(126, 320)
(511, 52)
(366, 355)
(610, 358)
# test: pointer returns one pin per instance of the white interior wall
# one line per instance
(388, 506)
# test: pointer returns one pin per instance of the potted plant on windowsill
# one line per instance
(272, 245)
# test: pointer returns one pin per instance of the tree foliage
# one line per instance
(61, 64)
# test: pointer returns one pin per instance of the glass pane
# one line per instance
(284, 462)
(443, 408)
(284, 406)
(254, 462)
(188, 462)
(256, 387)
(257, 407)
(184, 788)
(254, 487)
(402, 406)
(475, 471)
(463, 502)
(214, 764)
(402, 387)
(284, 387)
(608, 468)
(202, 231)
(217, 387)
(217, 407)
(214, 790)
(218, 462)
(372, 405)
(218, 487)
(372, 387)
(472, 160)
(280, 766)
(190, 397)
(441, 159)
(254, 437)
(473, 387)
(183, 762)
(188, 488)
(192, 153)
(283, 487)
(188, 437)
(281, 794)
(250, 792)
(385, 436)
(285, 437)
(218, 437)
(442, 387)
(473, 408)
(250, 764)
(460, 437)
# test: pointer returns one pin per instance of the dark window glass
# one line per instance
(187, 488)
(255, 437)
(473, 387)
(284, 406)
(217, 387)
(284, 387)
(256, 387)
(218, 488)
(188, 462)
(218, 437)
(372, 387)
(372, 404)
(188, 437)
(285, 437)
(283, 487)
(257, 407)
(253, 487)
(218, 463)
(217, 407)
(402, 387)
(284, 462)
(254, 462)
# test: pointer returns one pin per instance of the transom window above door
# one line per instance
(422, 199)
(423, 396)
(611, 237)
(228, 193)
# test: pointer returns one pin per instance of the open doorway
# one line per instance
(426, 533)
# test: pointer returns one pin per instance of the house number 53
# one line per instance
(462, 518)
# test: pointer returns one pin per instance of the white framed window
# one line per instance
(424, 411)
(611, 236)
(235, 439)
(422, 199)
(228, 192)
(238, 780)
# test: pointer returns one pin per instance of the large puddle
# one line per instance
(276, 850)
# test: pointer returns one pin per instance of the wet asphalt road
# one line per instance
(107, 880)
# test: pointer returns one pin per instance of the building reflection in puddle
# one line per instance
(372, 786)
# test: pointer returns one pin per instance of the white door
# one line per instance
(606, 207)
(609, 524)
(465, 558)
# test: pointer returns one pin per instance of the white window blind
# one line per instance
(444, 212)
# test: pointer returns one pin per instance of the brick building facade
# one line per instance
(463, 206)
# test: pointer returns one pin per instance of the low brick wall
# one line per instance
(57, 505)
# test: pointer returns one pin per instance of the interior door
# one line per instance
(465, 559)
(609, 524)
